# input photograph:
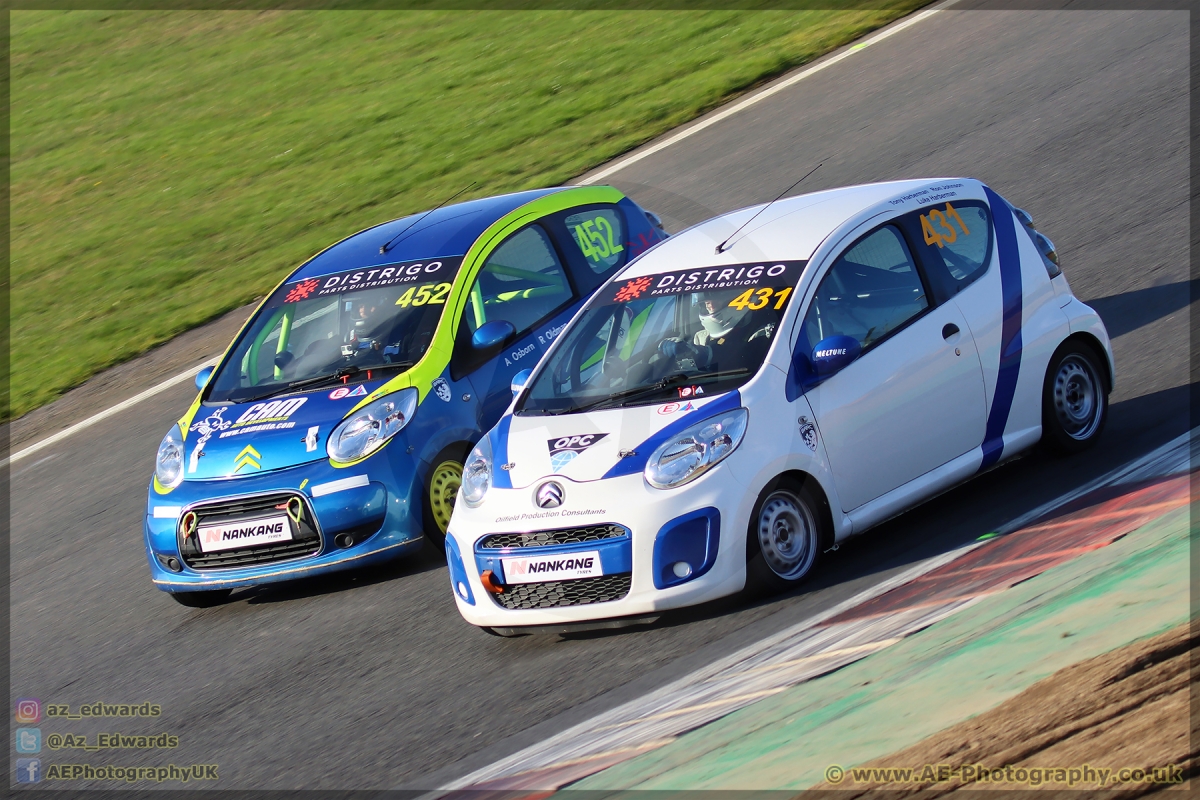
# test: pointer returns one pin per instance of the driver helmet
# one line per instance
(716, 315)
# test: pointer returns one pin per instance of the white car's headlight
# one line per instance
(366, 430)
(694, 451)
(168, 466)
(477, 473)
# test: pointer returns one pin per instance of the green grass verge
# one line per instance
(171, 166)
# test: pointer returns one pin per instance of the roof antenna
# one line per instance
(392, 241)
(721, 248)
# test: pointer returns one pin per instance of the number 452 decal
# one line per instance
(420, 295)
(944, 233)
(597, 244)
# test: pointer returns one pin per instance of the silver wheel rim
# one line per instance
(1077, 398)
(787, 534)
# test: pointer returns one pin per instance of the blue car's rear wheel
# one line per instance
(1075, 399)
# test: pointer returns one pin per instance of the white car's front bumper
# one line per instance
(716, 499)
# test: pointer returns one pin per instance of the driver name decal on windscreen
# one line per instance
(439, 270)
(732, 276)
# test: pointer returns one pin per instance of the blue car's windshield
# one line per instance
(673, 335)
(319, 326)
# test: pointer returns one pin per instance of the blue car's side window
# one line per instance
(522, 282)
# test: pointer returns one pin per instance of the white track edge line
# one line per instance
(745, 103)
(498, 768)
(121, 406)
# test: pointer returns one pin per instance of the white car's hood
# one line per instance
(589, 446)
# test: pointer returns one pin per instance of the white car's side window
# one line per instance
(871, 290)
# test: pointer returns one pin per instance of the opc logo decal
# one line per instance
(565, 449)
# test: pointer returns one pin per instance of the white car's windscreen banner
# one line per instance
(539, 569)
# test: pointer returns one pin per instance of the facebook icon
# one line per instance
(29, 770)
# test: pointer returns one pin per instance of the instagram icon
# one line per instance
(29, 710)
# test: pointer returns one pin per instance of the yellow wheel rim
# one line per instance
(443, 488)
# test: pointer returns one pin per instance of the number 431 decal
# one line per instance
(944, 233)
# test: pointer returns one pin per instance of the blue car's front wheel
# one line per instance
(441, 490)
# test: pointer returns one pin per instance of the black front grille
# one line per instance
(305, 541)
(555, 594)
(591, 533)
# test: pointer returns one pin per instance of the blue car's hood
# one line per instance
(228, 440)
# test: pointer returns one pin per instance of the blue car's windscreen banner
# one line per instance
(437, 270)
(705, 279)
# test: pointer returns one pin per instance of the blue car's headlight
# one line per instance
(366, 430)
(477, 473)
(168, 466)
(692, 452)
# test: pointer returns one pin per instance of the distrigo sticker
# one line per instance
(540, 569)
(443, 269)
(732, 276)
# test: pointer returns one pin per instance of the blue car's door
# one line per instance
(522, 282)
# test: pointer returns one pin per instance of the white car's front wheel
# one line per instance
(785, 538)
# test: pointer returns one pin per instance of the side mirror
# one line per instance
(202, 377)
(491, 336)
(834, 353)
(519, 380)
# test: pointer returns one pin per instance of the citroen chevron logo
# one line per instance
(248, 457)
(549, 495)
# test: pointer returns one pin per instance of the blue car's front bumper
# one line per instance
(378, 501)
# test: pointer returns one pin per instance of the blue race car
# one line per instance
(332, 432)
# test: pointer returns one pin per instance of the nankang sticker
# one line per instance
(566, 449)
(442, 270)
(734, 276)
(441, 389)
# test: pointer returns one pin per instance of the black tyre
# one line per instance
(441, 490)
(1074, 400)
(785, 539)
(207, 599)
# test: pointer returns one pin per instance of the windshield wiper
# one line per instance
(337, 375)
(657, 386)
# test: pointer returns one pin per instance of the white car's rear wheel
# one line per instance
(785, 539)
(1075, 400)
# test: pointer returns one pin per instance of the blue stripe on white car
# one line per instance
(1010, 336)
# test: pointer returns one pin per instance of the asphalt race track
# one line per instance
(373, 680)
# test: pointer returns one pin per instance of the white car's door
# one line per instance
(914, 399)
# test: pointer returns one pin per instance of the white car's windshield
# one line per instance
(380, 318)
(672, 335)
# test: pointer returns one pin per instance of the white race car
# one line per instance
(759, 387)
